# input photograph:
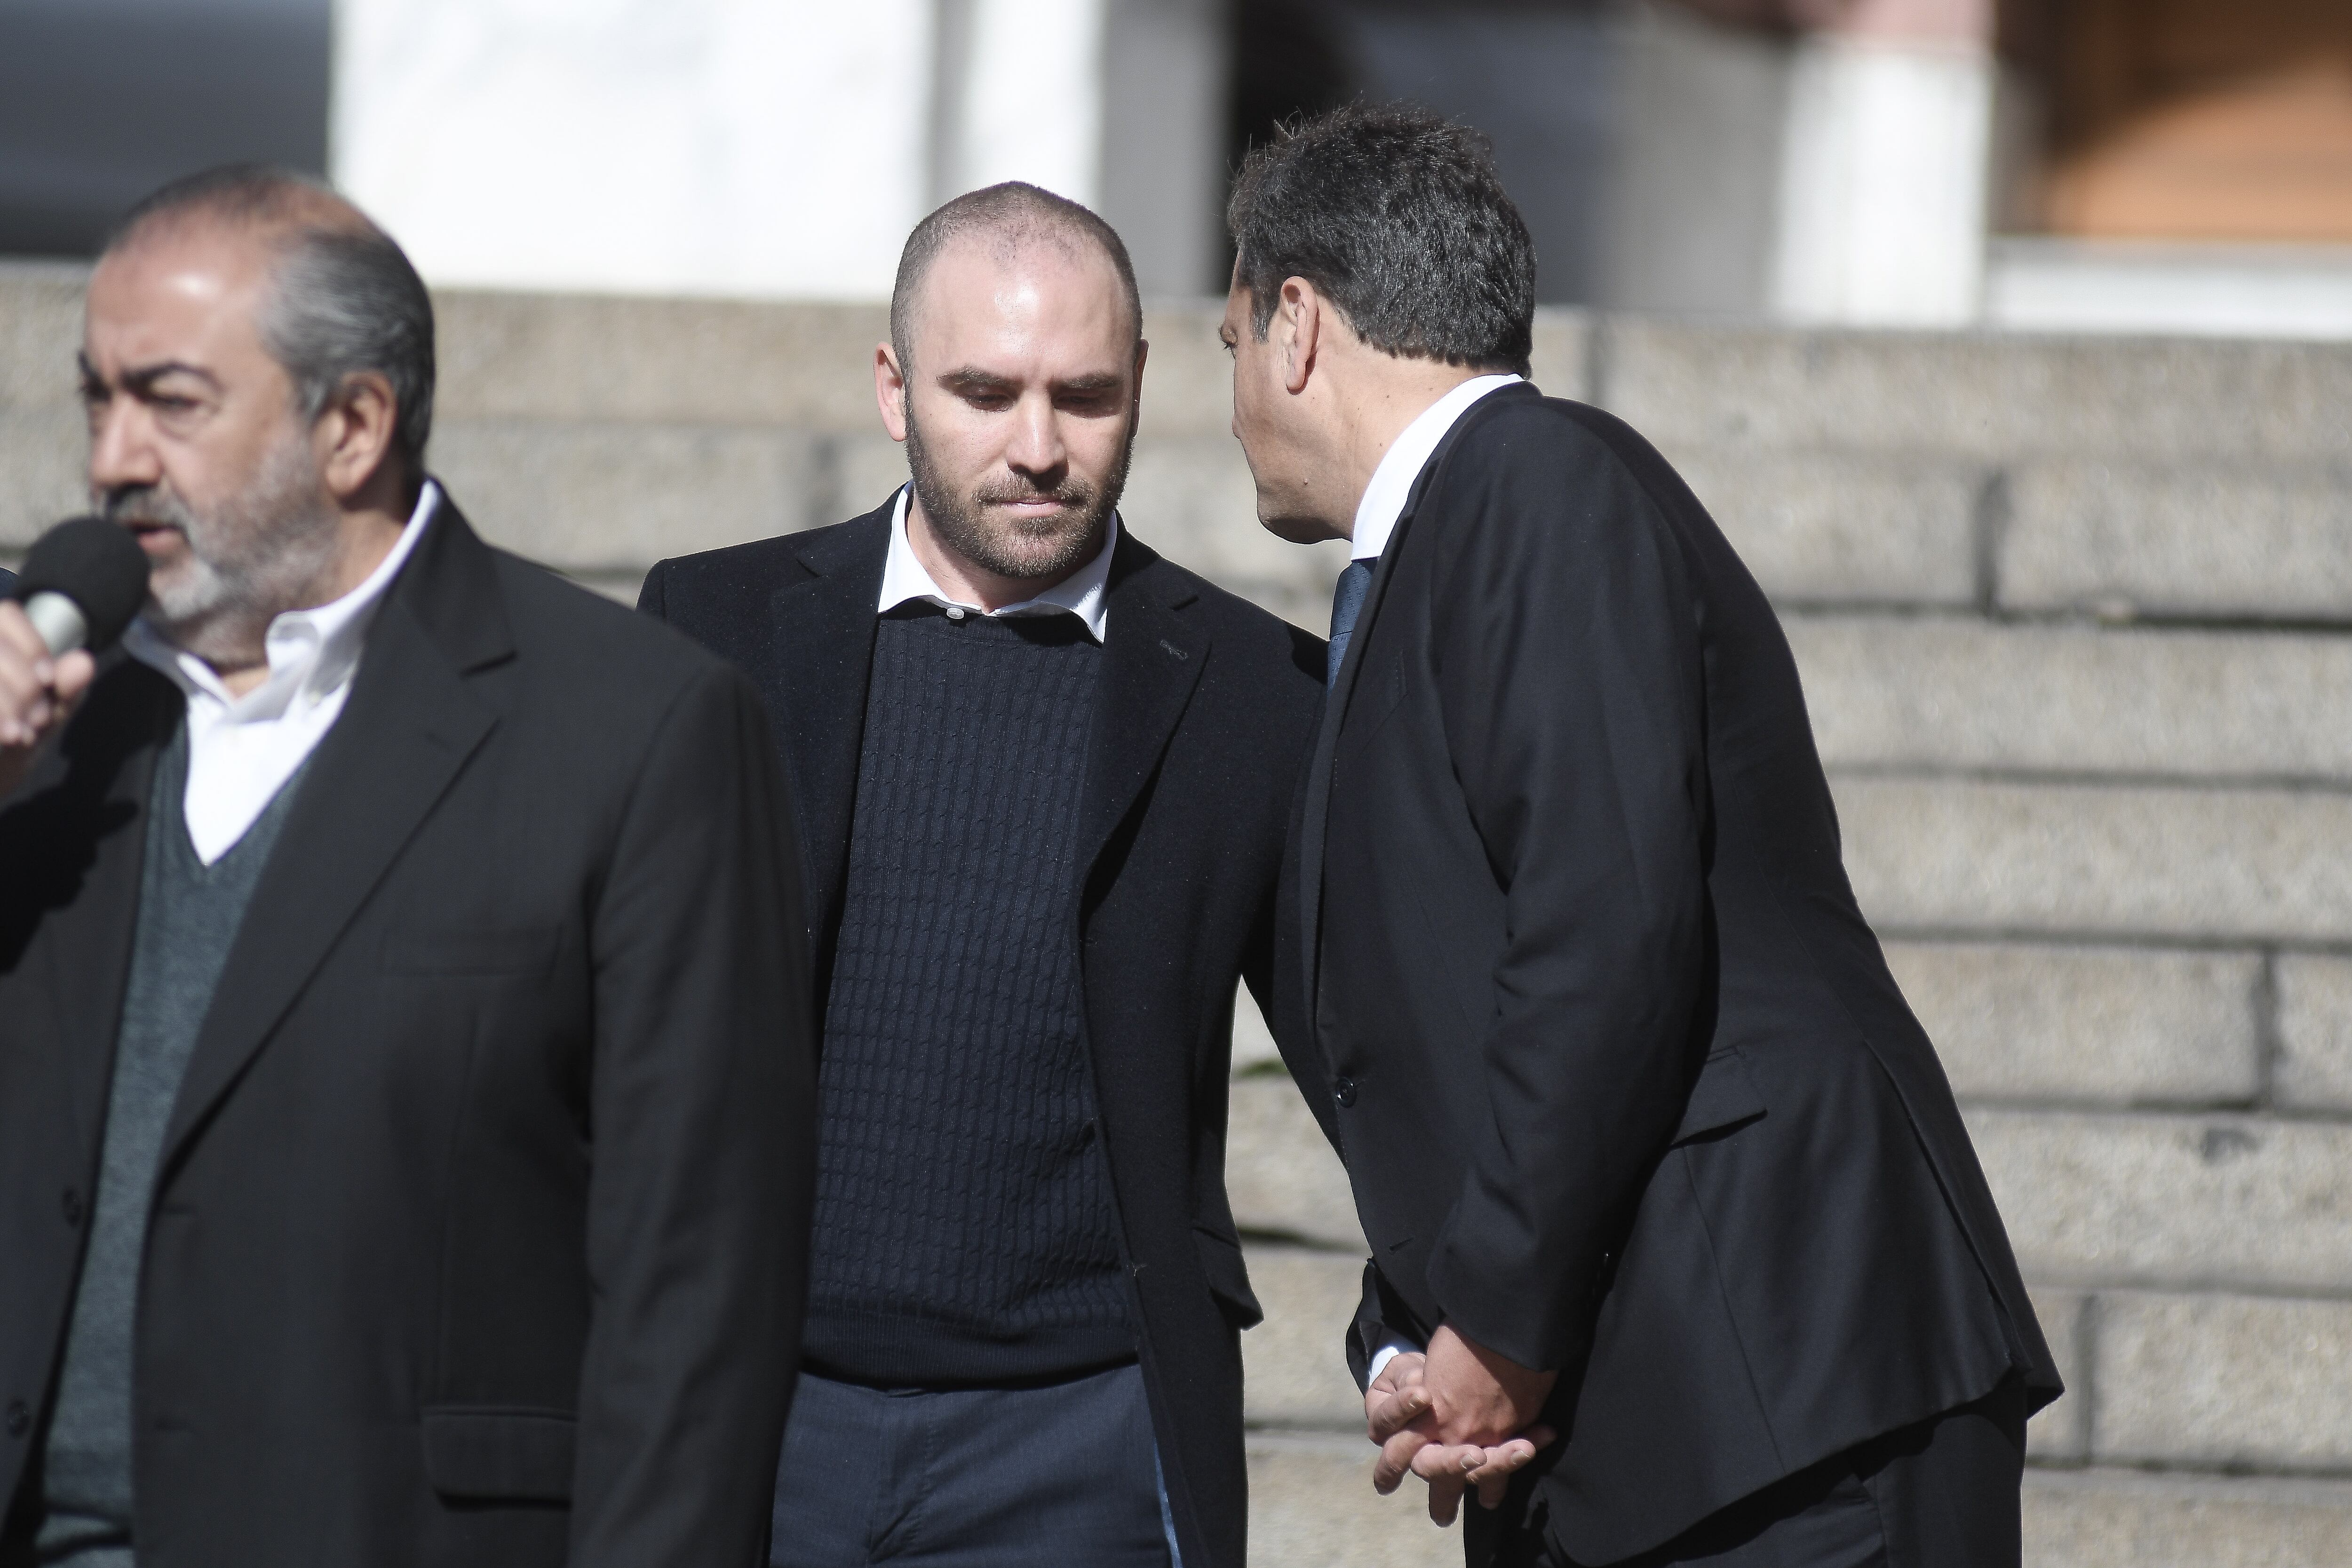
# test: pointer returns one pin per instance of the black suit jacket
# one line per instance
(1207, 710)
(478, 1237)
(1622, 1081)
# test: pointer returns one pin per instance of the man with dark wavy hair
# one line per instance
(1680, 1250)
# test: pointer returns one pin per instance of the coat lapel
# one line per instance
(1152, 659)
(1313, 814)
(410, 725)
(823, 633)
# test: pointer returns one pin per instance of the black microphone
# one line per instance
(81, 585)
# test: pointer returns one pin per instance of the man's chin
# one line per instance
(1297, 529)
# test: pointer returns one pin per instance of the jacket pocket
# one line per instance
(1220, 1261)
(521, 1456)
(1725, 1096)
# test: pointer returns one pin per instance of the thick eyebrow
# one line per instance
(972, 379)
(142, 380)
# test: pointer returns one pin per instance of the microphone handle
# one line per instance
(59, 620)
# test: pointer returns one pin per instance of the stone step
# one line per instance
(2237, 540)
(2170, 1199)
(2221, 1382)
(2120, 1519)
(1905, 692)
(1312, 1505)
(613, 499)
(1845, 527)
(1295, 1364)
(2251, 540)
(1695, 387)
(2106, 1026)
(2087, 860)
(2312, 1065)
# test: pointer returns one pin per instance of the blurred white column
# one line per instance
(1885, 167)
(763, 147)
(1025, 102)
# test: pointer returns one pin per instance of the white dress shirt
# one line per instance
(1081, 593)
(1391, 486)
(1376, 519)
(242, 750)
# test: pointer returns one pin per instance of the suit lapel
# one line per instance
(1315, 811)
(1152, 659)
(823, 632)
(410, 725)
(1315, 814)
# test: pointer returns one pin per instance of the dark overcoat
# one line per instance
(1622, 1081)
(479, 1232)
(1205, 715)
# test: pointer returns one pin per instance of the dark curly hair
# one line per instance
(1397, 217)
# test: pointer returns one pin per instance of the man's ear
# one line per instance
(354, 435)
(1298, 318)
(890, 391)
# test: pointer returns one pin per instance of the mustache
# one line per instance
(1071, 491)
(150, 504)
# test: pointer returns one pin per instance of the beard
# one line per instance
(1026, 549)
(254, 556)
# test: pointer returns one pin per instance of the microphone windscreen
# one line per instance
(97, 564)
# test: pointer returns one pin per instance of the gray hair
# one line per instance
(342, 298)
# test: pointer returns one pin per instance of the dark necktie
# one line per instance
(1347, 603)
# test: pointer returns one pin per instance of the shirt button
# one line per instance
(20, 1420)
(72, 1204)
(955, 612)
(1344, 1091)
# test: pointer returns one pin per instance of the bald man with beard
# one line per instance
(404, 1058)
(1044, 778)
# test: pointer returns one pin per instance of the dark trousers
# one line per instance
(972, 1478)
(1940, 1494)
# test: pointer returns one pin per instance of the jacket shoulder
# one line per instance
(565, 632)
(710, 593)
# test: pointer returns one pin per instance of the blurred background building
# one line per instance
(1995, 335)
(2113, 164)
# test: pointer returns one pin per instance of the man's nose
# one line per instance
(1037, 447)
(122, 452)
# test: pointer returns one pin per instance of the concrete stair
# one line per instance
(2076, 621)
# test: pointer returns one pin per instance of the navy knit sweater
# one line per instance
(965, 1230)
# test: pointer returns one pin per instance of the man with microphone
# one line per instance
(405, 1081)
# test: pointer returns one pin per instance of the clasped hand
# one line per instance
(1458, 1416)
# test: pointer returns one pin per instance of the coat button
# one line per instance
(20, 1420)
(1344, 1091)
(72, 1204)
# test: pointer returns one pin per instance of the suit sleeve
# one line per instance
(1568, 674)
(702, 1150)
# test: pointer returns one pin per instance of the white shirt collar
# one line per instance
(1391, 486)
(1082, 593)
(312, 653)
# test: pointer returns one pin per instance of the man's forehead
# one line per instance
(171, 295)
(982, 290)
